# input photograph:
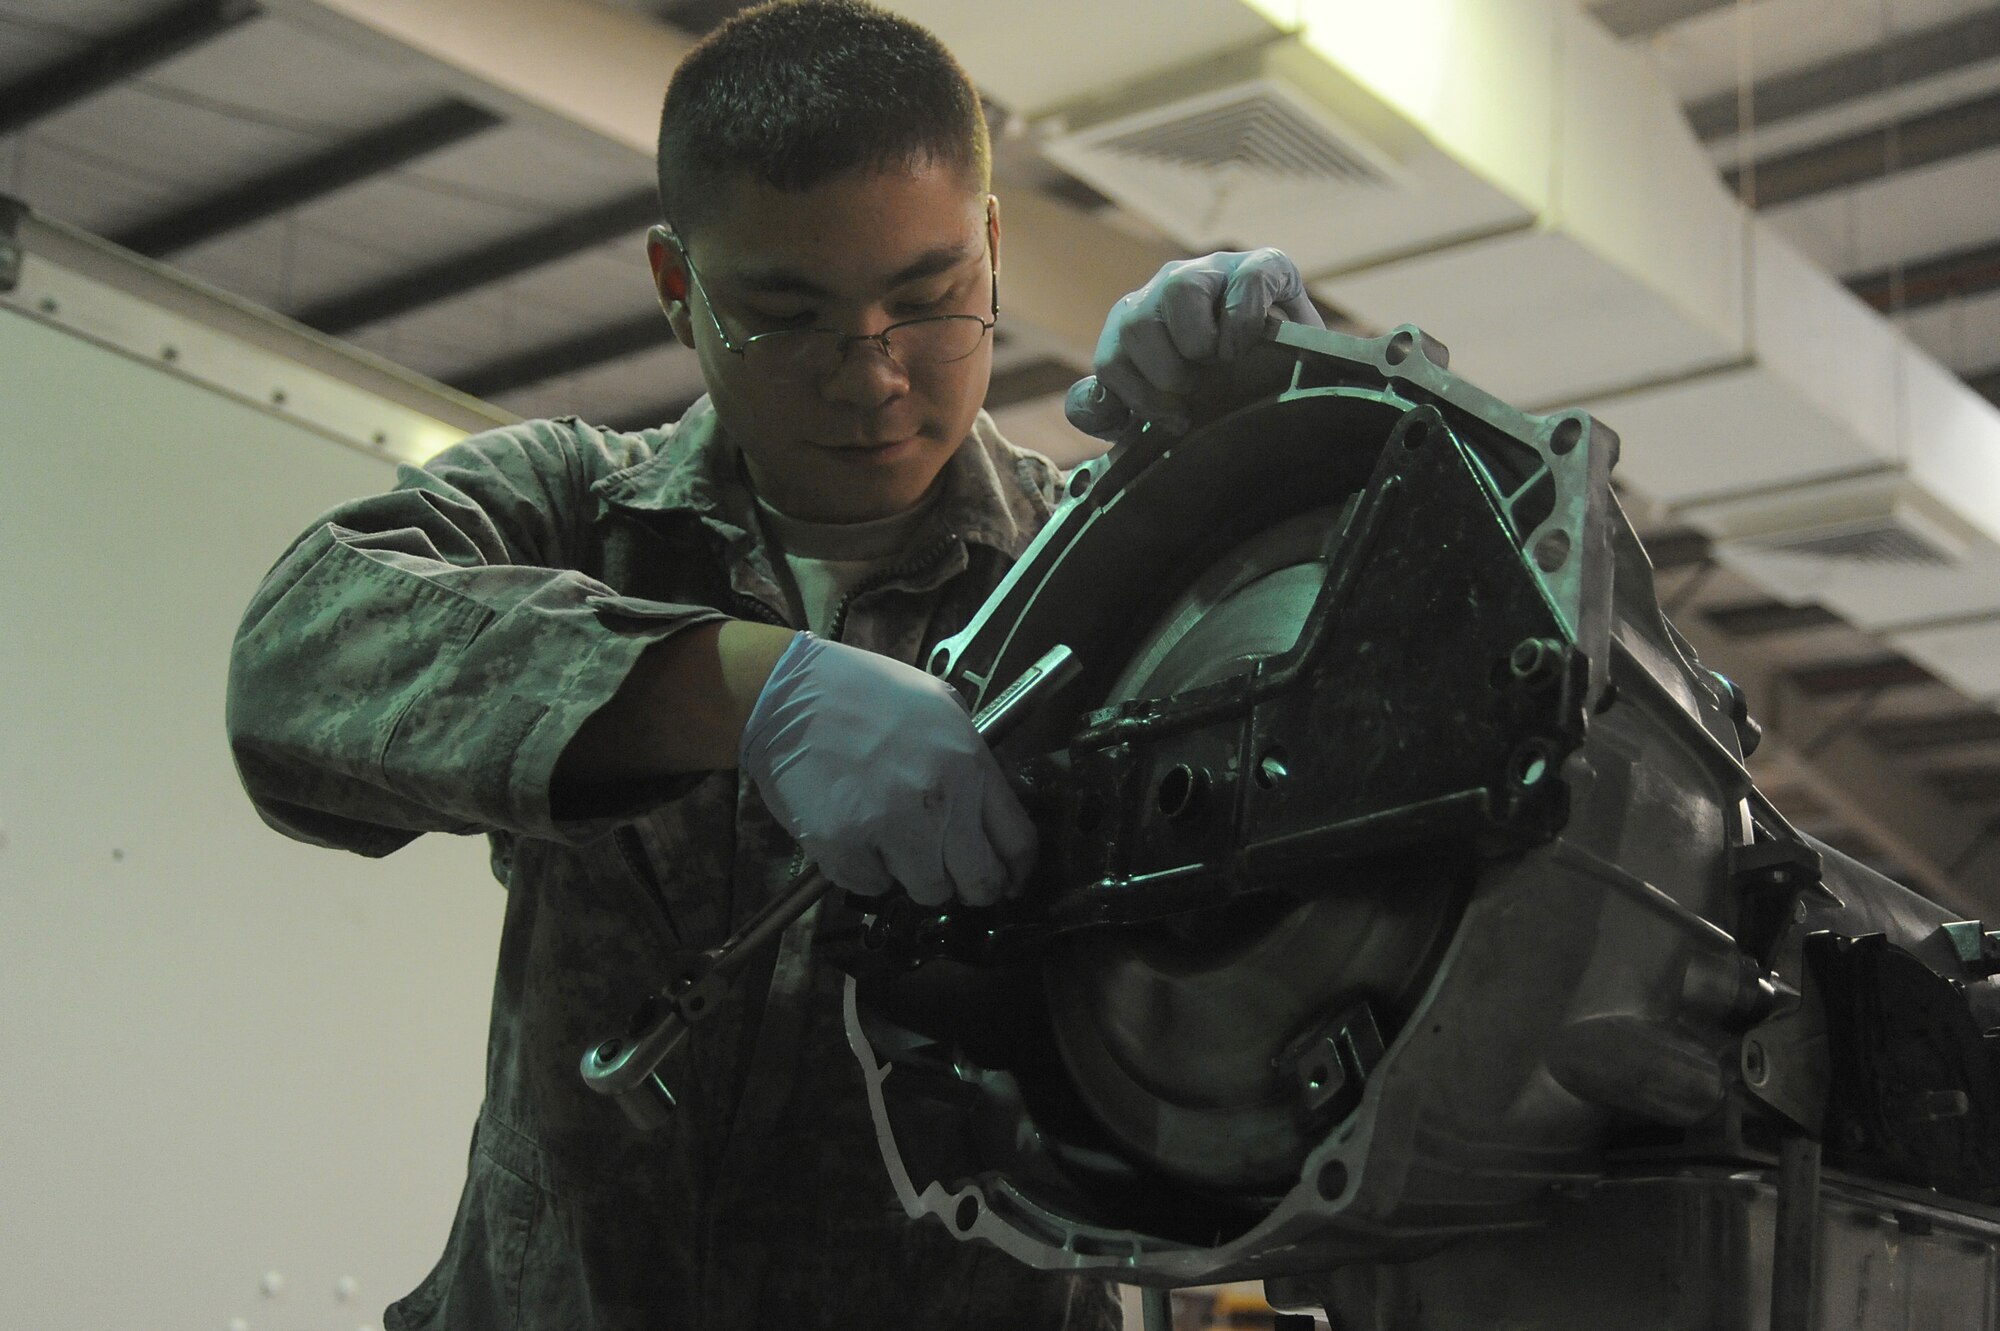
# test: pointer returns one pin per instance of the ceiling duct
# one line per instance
(1550, 216)
(1253, 135)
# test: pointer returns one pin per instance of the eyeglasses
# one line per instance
(811, 354)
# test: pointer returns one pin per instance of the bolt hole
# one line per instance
(1755, 1070)
(1530, 765)
(967, 1214)
(1534, 661)
(1079, 482)
(940, 661)
(1180, 792)
(1399, 348)
(1332, 1180)
(1417, 434)
(1566, 436)
(1552, 551)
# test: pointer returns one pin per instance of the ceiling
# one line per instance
(372, 191)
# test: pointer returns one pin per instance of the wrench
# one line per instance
(627, 1067)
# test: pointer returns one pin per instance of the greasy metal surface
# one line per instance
(1686, 1250)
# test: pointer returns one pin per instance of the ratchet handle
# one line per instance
(626, 1067)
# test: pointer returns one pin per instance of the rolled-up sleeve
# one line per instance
(419, 660)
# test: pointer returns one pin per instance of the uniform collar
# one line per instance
(994, 494)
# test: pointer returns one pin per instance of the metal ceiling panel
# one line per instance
(604, 285)
(294, 72)
(43, 89)
(188, 151)
(1705, 55)
(29, 43)
(1963, 334)
(294, 184)
(1890, 106)
(359, 302)
(1933, 136)
(489, 192)
(1911, 285)
(527, 168)
(1946, 206)
(1910, 57)
(81, 186)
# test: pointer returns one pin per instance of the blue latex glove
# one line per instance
(1193, 312)
(875, 767)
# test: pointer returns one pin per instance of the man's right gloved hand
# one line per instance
(875, 767)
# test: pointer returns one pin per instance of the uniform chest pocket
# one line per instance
(678, 861)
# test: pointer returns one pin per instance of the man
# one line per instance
(587, 646)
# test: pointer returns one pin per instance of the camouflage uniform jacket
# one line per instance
(417, 663)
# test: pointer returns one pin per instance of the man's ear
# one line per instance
(993, 230)
(670, 280)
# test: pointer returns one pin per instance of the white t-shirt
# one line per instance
(827, 560)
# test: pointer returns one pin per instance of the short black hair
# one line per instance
(795, 93)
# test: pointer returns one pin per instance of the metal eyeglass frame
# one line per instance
(880, 339)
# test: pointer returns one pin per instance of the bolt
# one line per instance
(1535, 661)
(1756, 1069)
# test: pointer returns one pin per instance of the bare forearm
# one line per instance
(682, 709)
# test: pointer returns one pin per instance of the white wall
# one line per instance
(221, 1053)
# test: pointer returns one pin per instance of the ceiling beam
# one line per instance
(569, 355)
(1934, 136)
(1954, 276)
(603, 70)
(482, 265)
(1757, 619)
(1890, 64)
(565, 65)
(122, 56)
(1642, 18)
(299, 183)
(1865, 675)
(1972, 726)
(1675, 547)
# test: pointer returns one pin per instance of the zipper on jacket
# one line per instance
(920, 562)
(626, 838)
(749, 607)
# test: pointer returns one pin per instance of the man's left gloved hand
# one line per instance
(1194, 312)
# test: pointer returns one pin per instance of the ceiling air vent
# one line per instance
(1881, 541)
(1252, 132)
(1214, 154)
